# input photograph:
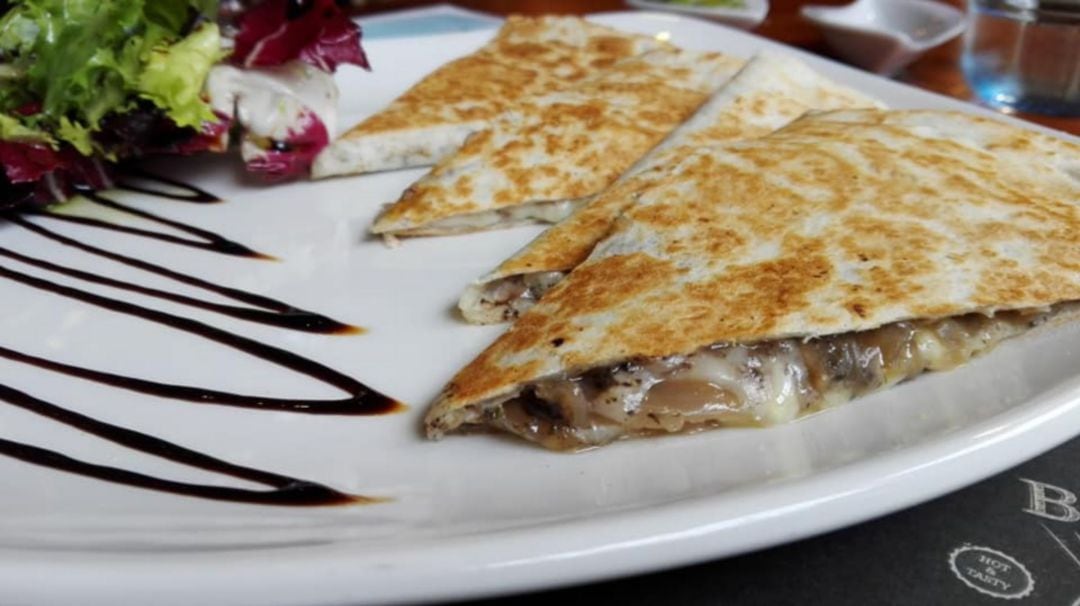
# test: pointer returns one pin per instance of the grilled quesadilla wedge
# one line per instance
(768, 278)
(769, 92)
(527, 57)
(540, 158)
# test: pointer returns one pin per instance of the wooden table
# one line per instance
(937, 70)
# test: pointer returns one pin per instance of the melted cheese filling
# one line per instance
(521, 214)
(507, 298)
(743, 384)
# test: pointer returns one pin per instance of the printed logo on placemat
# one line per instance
(1056, 504)
(991, 572)
(1051, 502)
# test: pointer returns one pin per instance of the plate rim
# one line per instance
(681, 530)
(557, 554)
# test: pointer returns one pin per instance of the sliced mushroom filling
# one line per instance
(507, 298)
(743, 384)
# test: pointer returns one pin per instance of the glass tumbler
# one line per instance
(1024, 55)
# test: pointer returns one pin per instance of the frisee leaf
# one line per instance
(11, 129)
(174, 75)
(81, 60)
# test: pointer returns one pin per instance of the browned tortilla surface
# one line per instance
(559, 147)
(529, 56)
(842, 221)
(769, 92)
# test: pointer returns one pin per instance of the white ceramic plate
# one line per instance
(470, 515)
(747, 16)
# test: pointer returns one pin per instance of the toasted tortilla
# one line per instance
(528, 57)
(838, 225)
(540, 158)
(770, 91)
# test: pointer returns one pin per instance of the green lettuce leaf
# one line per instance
(174, 75)
(13, 94)
(77, 135)
(93, 63)
(175, 15)
(19, 30)
(11, 129)
(81, 60)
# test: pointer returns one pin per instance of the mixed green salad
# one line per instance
(86, 83)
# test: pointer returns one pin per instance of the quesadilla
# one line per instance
(528, 57)
(768, 278)
(540, 158)
(769, 92)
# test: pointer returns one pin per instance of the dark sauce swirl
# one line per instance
(266, 310)
(205, 240)
(284, 490)
(152, 184)
(140, 181)
(358, 398)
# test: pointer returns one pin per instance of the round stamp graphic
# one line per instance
(991, 572)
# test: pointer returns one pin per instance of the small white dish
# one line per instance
(749, 16)
(884, 36)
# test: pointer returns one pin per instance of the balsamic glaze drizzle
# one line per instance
(132, 176)
(284, 315)
(207, 240)
(284, 490)
(359, 399)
